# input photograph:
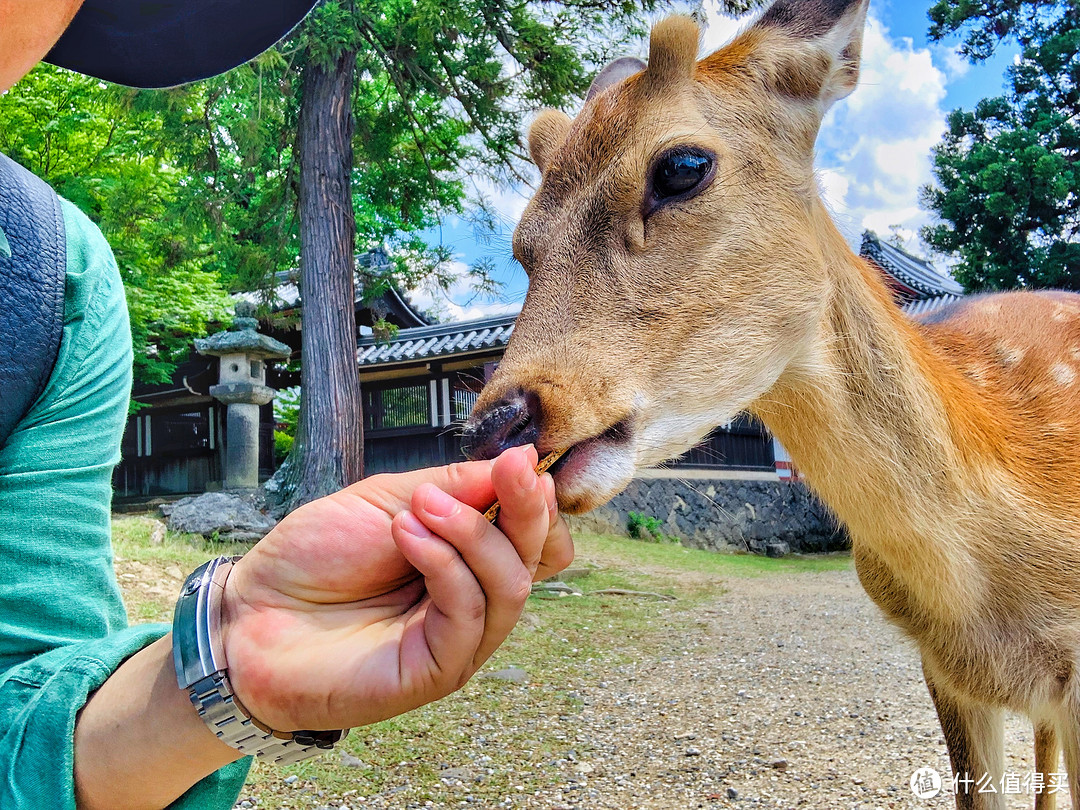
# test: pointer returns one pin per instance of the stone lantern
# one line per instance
(243, 353)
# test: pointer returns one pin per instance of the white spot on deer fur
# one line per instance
(991, 309)
(1064, 374)
(978, 374)
(1010, 355)
(1075, 352)
(1060, 313)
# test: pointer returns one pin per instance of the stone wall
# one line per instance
(725, 515)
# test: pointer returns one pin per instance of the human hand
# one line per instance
(389, 594)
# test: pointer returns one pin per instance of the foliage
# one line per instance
(283, 445)
(114, 161)
(286, 417)
(1008, 174)
(648, 528)
(287, 410)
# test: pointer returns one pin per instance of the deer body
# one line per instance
(683, 269)
(948, 449)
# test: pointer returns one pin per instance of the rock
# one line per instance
(556, 588)
(349, 761)
(454, 775)
(693, 752)
(512, 674)
(157, 533)
(576, 572)
(230, 517)
(778, 549)
(732, 793)
(778, 764)
(292, 780)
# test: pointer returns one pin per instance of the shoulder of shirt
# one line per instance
(84, 238)
(91, 267)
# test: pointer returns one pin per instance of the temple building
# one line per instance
(176, 441)
(917, 285)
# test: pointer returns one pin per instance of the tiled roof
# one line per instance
(437, 340)
(910, 270)
(917, 309)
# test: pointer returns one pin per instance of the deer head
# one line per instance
(675, 269)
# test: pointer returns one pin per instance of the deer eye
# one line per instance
(680, 172)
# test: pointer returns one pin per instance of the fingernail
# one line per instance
(549, 492)
(411, 524)
(439, 504)
(527, 479)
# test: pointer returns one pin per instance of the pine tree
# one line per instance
(1008, 175)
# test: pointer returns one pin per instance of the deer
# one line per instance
(683, 268)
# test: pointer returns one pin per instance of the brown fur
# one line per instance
(948, 447)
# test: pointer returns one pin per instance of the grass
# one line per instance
(505, 733)
(676, 558)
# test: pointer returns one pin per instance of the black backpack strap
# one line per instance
(33, 268)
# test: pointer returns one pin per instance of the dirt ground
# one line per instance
(792, 692)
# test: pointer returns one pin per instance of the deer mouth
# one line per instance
(595, 470)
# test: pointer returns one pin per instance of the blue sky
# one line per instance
(873, 151)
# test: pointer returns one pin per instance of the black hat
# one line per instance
(162, 43)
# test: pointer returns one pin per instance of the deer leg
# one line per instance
(974, 734)
(1069, 730)
(1047, 760)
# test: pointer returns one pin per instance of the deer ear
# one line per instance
(673, 49)
(613, 73)
(547, 133)
(822, 55)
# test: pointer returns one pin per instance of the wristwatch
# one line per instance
(202, 671)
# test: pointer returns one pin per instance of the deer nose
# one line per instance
(510, 422)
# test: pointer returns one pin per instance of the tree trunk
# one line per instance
(328, 453)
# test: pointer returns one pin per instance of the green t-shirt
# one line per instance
(63, 630)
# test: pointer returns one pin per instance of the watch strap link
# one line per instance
(216, 704)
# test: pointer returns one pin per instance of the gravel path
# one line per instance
(792, 692)
(786, 691)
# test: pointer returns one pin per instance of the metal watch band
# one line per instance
(201, 669)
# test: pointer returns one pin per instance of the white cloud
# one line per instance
(879, 139)
(720, 29)
(460, 301)
(834, 187)
(874, 147)
(955, 65)
(508, 202)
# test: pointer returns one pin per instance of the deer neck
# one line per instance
(865, 415)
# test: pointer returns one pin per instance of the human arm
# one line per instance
(357, 607)
(62, 625)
